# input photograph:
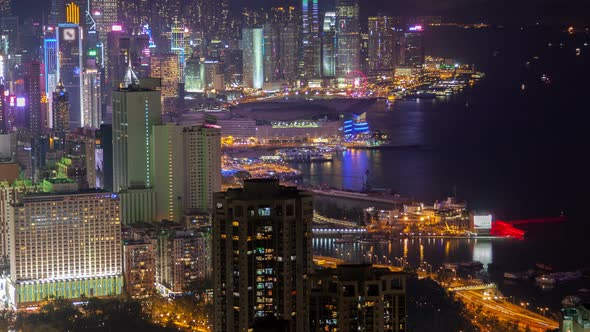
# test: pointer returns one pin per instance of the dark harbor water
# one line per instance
(519, 154)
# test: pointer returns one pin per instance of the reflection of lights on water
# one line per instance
(447, 248)
(406, 247)
(421, 252)
(482, 251)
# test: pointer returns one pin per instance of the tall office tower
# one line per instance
(50, 62)
(364, 55)
(124, 50)
(165, 67)
(272, 54)
(79, 258)
(57, 14)
(135, 111)
(310, 38)
(69, 67)
(348, 39)
(105, 15)
(139, 268)
(181, 259)
(412, 47)
(202, 160)
(61, 110)
(261, 255)
(32, 77)
(253, 57)
(289, 50)
(91, 97)
(329, 45)
(194, 74)
(233, 63)
(358, 297)
(381, 46)
(169, 175)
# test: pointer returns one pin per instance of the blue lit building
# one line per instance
(356, 126)
(50, 63)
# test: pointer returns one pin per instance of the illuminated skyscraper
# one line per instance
(253, 57)
(177, 47)
(381, 46)
(262, 256)
(105, 15)
(329, 45)
(272, 52)
(61, 110)
(412, 47)
(91, 105)
(165, 67)
(50, 63)
(69, 68)
(311, 42)
(44, 263)
(73, 13)
(348, 39)
(135, 111)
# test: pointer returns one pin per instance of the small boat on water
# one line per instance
(511, 276)
(545, 280)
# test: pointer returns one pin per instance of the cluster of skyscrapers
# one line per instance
(101, 193)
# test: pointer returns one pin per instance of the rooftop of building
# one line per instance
(262, 188)
(358, 272)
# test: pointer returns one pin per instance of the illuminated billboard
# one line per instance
(21, 102)
(482, 221)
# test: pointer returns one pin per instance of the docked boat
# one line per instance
(511, 276)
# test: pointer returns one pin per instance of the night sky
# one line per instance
(494, 11)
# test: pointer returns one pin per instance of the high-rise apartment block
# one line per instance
(188, 170)
(139, 268)
(182, 258)
(262, 256)
(358, 298)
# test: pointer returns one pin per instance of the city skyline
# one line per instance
(296, 165)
